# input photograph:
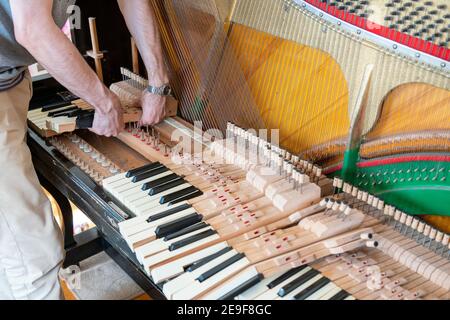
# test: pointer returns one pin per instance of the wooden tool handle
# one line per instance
(95, 47)
(94, 36)
(85, 121)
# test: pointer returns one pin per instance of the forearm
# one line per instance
(53, 50)
(141, 22)
(38, 33)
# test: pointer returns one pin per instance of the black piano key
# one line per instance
(341, 295)
(167, 186)
(62, 113)
(242, 288)
(78, 113)
(168, 212)
(194, 195)
(176, 225)
(149, 174)
(207, 259)
(285, 276)
(185, 242)
(173, 196)
(56, 105)
(312, 289)
(143, 169)
(288, 288)
(160, 181)
(186, 231)
(220, 267)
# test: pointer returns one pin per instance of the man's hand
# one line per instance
(153, 109)
(108, 119)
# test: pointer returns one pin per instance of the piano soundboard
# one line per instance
(222, 227)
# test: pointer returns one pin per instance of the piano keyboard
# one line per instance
(58, 113)
(205, 229)
(192, 256)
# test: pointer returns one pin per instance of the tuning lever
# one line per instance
(86, 120)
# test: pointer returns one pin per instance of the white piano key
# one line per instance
(259, 289)
(109, 181)
(131, 189)
(159, 245)
(150, 230)
(198, 288)
(229, 286)
(175, 268)
(124, 225)
(330, 294)
(122, 187)
(140, 204)
(307, 284)
(162, 256)
(139, 237)
(189, 278)
(272, 294)
(156, 205)
(150, 225)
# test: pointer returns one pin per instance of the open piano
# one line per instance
(309, 159)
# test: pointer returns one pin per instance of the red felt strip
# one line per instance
(394, 160)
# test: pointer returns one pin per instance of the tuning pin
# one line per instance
(87, 148)
(74, 138)
(106, 163)
(84, 166)
(114, 170)
(95, 155)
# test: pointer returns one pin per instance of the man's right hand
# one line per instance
(108, 119)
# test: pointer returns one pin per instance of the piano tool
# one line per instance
(95, 53)
(350, 203)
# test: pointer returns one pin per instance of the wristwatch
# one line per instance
(165, 90)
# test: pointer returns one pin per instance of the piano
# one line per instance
(308, 158)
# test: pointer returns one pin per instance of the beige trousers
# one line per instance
(31, 250)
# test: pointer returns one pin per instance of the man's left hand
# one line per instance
(153, 109)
